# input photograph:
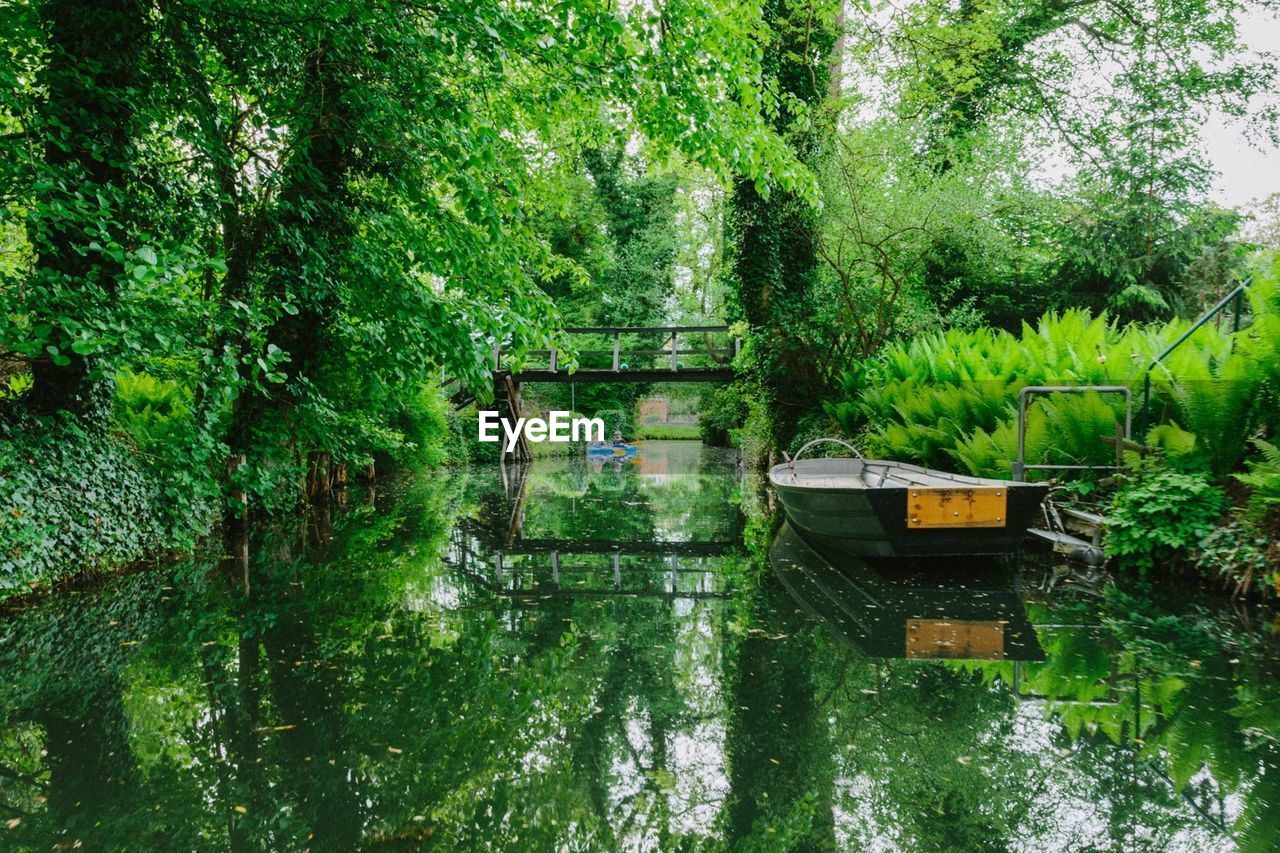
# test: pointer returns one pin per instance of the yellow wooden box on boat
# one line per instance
(972, 507)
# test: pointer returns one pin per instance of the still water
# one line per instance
(574, 656)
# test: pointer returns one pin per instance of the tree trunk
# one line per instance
(91, 79)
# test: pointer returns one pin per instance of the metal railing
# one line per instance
(1020, 467)
(1235, 298)
(669, 350)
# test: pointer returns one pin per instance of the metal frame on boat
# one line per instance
(880, 508)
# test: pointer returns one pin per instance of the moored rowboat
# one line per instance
(879, 508)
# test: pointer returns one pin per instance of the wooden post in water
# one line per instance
(506, 398)
(340, 483)
(318, 483)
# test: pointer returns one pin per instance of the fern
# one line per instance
(1263, 479)
(154, 412)
(949, 397)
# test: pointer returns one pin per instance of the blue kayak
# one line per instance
(610, 451)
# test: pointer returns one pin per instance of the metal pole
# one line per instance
(1143, 415)
(1212, 312)
(1019, 467)
(617, 338)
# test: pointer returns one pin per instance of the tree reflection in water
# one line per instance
(559, 657)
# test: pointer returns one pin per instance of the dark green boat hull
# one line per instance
(873, 522)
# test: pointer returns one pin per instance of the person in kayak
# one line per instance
(618, 440)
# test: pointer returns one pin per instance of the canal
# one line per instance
(579, 655)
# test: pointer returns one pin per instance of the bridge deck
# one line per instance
(684, 374)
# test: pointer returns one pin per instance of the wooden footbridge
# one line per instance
(630, 354)
(614, 354)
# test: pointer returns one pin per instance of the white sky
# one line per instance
(1247, 172)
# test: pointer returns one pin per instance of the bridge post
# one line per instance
(506, 398)
(617, 342)
(675, 348)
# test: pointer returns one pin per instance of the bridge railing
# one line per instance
(621, 349)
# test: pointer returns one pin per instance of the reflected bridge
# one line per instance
(494, 552)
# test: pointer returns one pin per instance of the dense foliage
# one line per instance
(1162, 513)
(949, 400)
(244, 239)
(280, 222)
(982, 164)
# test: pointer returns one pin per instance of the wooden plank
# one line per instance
(1070, 546)
(973, 507)
(954, 639)
(665, 352)
(1086, 523)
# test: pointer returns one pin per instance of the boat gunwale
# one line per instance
(784, 476)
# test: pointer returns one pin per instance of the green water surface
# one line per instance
(577, 656)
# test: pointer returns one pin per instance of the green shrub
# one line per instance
(672, 432)
(426, 434)
(721, 413)
(1241, 554)
(155, 412)
(616, 420)
(15, 385)
(1159, 513)
(950, 397)
(483, 453)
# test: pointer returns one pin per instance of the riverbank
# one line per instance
(1193, 487)
(85, 496)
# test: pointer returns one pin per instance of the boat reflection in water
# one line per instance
(973, 611)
